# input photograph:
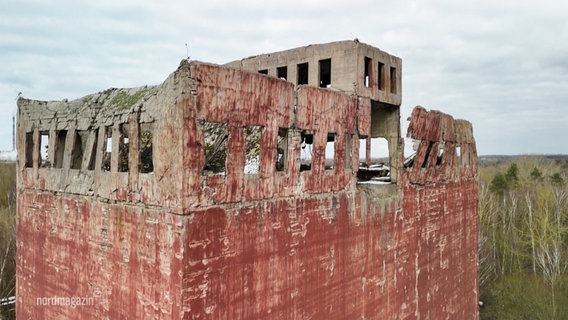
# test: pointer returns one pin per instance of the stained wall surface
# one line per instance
(177, 241)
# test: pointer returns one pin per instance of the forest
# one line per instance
(523, 238)
(7, 237)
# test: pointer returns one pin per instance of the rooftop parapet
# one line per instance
(347, 66)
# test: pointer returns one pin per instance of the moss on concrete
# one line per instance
(124, 100)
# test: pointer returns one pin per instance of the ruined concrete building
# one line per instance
(229, 192)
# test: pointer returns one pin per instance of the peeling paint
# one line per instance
(178, 243)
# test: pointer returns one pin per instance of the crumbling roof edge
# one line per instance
(343, 42)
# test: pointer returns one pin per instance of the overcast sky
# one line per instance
(503, 65)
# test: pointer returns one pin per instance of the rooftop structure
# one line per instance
(351, 67)
(228, 194)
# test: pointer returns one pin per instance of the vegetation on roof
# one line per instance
(124, 100)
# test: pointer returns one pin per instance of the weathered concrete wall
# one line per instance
(183, 243)
(347, 68)
(126, 260)
(440, 205)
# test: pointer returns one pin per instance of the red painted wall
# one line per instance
(278, 245)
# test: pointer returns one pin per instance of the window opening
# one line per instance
(306, 150)
(380, 150)
(282, 73)
(368, 68)
(253, 136)
(459, 157)
(325, 73)
(77, 151)
(107, 149)
(393, 88)
(428, 154)
(29, 149)
(44, 161)
(411, 145)
(330, 152)
(381, 76)
(440, 153)
(378, 168)
(59, 148)
(282, 149)
(382, 158)
(123, 148)
(263, 71)
(145, 148)
(363, 151)
(92, 159)
(215, 136)
(303, 73)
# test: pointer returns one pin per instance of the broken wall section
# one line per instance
(106, 144)
(439, 187)
(446, 148)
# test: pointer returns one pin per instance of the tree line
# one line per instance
(523, 243)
